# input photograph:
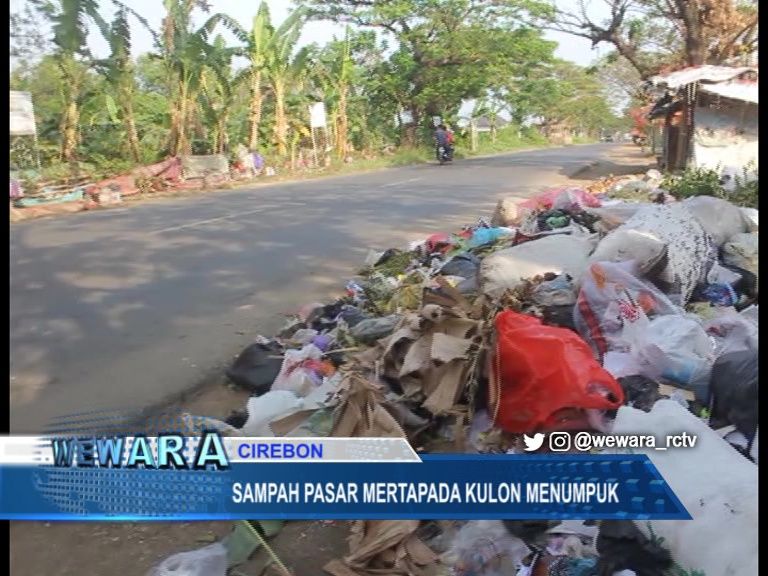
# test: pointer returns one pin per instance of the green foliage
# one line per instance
(706, 182)
(188, 96)
(693, 182)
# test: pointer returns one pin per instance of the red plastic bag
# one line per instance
(540, 374)
(561, 198)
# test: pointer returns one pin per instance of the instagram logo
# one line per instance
(559, 441)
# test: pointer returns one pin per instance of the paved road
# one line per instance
(129, 306)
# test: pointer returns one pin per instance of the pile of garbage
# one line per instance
(610, 309)
(172, 174)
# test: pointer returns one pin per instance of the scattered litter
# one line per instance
(208, 561)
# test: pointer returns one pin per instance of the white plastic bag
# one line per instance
(612, 302)
(662, 231)
(269, 407)
(716, 484)
(751, 218)
(507, 269)
(719, 218)
(676, 348)
(295, 378)
(732, 332)
(485, 548)
(208, 561)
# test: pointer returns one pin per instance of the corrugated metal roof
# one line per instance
(708, 73)
(744, 91)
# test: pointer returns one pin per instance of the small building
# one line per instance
(709, 118)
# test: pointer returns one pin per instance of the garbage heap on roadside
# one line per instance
(614, 308)
(173, 174)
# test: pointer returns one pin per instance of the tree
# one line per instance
(621, 81)
(118, 70)
(335, 71)
(285, 69)
(218, 90)
(69, 19)
(657, 34)
(185, 51)
(257, 47)
(447, 51)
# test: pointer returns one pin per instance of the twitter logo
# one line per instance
(533, 444)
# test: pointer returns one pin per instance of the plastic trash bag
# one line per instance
(557, 292)
(371, 329)
(751, 218)
(255, 369)
(716, 484)
(742, 250)
(508, 268)
(734, 391)
(294, 376)
(464, 265)
(483, 236)
(265, 409)
(677, 349)
(719, 218)
(484, 548)
(611, 301)
(208, 561)
(539, 371)
(733, 332)
(670, 232)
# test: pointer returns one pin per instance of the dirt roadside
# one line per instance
(131, 549)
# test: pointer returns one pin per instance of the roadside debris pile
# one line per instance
(178, 173)
(611, 308)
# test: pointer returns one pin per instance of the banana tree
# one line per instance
(334, 78)
(218, 90)
(118, 71)
(285, 68)
(185, 50)
(69, 20)
(257, 46)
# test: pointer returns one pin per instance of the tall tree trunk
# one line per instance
(695, 48)
(281, 122)
(70, 119)
(342, 124)
(69, 130)
(254, 116)
(129, 123)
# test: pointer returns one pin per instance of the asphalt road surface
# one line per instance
(131, 306)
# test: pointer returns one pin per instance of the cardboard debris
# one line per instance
(383, 547)
(449, 389)
(361, 414)
(446, 348)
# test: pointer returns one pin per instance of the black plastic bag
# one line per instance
(255, 369)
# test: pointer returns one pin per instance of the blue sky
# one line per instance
(570, 47)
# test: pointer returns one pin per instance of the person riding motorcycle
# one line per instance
(444, 140)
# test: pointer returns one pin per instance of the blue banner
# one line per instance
(455, 486)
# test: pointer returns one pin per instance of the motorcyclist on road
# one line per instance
(444, 139)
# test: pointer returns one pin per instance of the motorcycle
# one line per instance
(444, 154)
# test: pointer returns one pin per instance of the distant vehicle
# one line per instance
(608, 138)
